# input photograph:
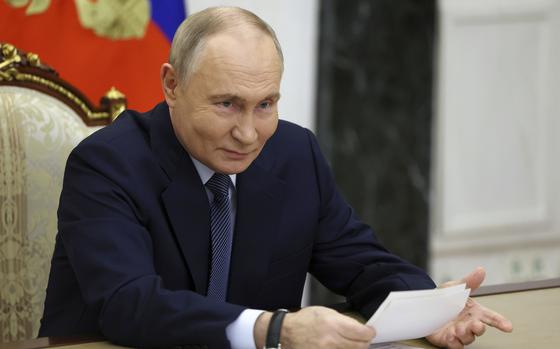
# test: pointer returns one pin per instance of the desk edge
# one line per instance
(516, 287)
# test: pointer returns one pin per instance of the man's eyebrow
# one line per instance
(274, 96)
(227, 96)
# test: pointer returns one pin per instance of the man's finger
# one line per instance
(351, 343)
(475, 278)
(496, 320)
(454, 343)
(478, 328)
(488, 316)
(464, 331)
(353, 330)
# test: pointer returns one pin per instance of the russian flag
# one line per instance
(98, 44)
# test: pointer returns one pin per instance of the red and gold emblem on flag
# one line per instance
(98, 44)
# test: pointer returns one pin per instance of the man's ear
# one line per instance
(169, 83)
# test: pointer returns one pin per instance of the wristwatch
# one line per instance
(274, 328)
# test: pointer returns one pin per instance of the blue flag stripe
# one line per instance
(168, 15)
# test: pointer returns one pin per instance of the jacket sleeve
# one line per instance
(111, 254)
(348, 258)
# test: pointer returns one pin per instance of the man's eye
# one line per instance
(225, 104)
(265, 105)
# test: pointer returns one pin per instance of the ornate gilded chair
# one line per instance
(41, 119)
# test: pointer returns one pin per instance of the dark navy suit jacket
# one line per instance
(131, 259)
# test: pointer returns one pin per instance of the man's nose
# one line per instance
(245, 132)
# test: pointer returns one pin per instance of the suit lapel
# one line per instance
(189, 213)
(184, 199)
(259, 202)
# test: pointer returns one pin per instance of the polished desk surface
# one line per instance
(535, 316)
(533, 307)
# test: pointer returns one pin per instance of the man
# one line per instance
(177, 226)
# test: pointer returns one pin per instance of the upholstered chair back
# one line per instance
(42, 119)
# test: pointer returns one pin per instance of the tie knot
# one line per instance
(219, 184)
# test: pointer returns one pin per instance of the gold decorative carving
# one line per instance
(63, 91)
(11, 56)
(27, 68)
(113, 93)
(117, 102)
(33, 59)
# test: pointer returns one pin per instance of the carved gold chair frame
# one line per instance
(19, 68)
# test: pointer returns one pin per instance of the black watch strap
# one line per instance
(274, 328)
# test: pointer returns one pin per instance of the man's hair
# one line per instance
(192, 34)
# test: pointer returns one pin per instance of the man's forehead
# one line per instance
(226, 69)
(242, 45)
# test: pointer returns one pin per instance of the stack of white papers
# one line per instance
(415, 314)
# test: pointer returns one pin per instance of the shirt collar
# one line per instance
(206, 173)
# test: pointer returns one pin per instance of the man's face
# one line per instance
(227, 109)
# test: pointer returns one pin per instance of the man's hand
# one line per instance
(472, 320)
(317, 327)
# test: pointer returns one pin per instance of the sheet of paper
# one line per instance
(392, 346)
(415, 314)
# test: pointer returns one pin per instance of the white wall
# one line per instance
(296, 25)
(497, 174)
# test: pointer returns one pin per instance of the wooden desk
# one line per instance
(533, 307)
(534, 311)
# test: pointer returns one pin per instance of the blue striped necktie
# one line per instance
(220, 225)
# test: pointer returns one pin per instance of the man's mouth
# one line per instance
(236, 155)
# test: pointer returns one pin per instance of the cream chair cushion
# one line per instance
(37, 133)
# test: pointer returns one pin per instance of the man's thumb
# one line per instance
(472, 281)
(475, 278)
